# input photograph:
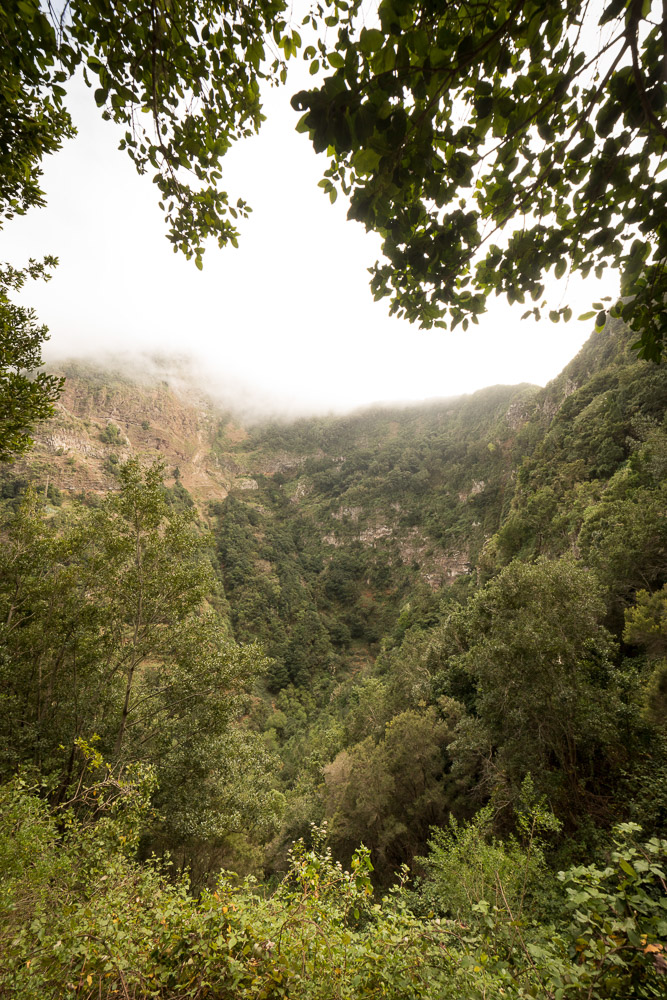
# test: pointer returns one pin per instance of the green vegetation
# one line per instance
(199, 86)
(448, 123)
(392, 725)
(24, 400)
(193, 69)
(108, 639)
(89, 921)
(111, 434)
(434, 119)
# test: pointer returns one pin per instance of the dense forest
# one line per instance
(359, 707)
(383, 717)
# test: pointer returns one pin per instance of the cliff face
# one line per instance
(104, 416)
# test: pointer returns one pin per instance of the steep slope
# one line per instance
(375, 556)
(325, 526)
(588, 437)
(359, 512)
(108, 413)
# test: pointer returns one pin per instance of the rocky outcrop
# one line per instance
(155, 418)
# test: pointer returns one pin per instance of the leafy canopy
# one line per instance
(493, 141)
(536, 125)
(107, 636)
(183, 79)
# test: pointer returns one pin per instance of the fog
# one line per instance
(286, 323)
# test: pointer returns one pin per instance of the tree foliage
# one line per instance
(182, 79)
(33, 121)
(449, 721)
(491, 142)
(387, 794)
(107, 637)
(24, 399)
(77, 914)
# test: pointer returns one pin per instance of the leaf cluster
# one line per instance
(491, 143)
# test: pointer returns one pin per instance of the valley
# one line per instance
(437, 631)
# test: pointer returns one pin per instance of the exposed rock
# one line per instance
(303, 488)
(65, 442)
(351, 513)
(370, 536)
(156, 419)
(478, 486)
(435, 567)
(518, 413)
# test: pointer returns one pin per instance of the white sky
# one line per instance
(287, 318)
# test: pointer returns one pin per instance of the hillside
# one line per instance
(336, 518)
(428, 643)
(342, 544)
(338, 521)
(106, 414)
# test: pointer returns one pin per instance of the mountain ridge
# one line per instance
(168, 413)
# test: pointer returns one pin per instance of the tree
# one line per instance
(646, 626)
(436, 118)
(539, 125)
(33, 121)
(391, 792)
(182, 79)
(548, 699)
(23, 399)
(106, 634)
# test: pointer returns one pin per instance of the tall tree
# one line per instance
(547, 697)
(24, 399)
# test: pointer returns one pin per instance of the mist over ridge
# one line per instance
(195, 379)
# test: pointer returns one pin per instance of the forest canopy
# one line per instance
(183, 80)
(408, 676)
(440, 631)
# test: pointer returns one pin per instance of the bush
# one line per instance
(111, 435)
(80, 917)
(466, 865)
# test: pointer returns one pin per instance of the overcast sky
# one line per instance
(288, 317)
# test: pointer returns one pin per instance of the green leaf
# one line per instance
(623, 864)
(366, 160)
(370, 40)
